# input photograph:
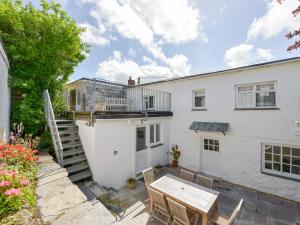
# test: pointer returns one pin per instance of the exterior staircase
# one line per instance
(67, 145)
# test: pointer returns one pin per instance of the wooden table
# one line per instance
(195, 197)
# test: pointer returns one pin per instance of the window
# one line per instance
(258, 95)
(281, 160)
(211, 145)
(149, 102)
(155, 134)
(198, 99)
(78, 97)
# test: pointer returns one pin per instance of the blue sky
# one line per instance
(166, 38)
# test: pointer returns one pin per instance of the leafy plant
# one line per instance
(44, 46)
(175, 152)
(131, 180)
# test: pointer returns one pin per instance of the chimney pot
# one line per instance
(131, 82)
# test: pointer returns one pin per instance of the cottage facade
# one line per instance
(240, 125)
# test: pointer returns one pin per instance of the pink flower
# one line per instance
(25, 182)
(12, 173)
(5, 183)
(13, 192)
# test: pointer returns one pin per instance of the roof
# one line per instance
(99, 81)
(253, 66)
(209, 126)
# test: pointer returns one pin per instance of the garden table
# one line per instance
(195, 197)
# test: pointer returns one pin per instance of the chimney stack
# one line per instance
(131, 82)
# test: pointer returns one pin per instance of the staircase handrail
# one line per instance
(51, 123)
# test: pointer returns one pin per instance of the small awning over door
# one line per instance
(209, 126)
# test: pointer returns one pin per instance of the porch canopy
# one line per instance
(209, 126)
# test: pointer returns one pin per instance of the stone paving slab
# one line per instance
(61, 202)
(85, 213)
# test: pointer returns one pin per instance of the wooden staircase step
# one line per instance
(80, 176)
(73, 152)
(69, 138)
(77, 167)
(72, 160)
(71, 145)
(64, 132)
(64, 121)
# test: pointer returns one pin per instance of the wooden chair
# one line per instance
(205, 181)
(180, 214)
(215, 218)
(148, 176)
(187, 175)
(159, 206)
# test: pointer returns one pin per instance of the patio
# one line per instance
(259, 208)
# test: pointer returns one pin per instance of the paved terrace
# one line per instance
(259, 208)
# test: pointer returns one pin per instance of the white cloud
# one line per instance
(152, 23)
(94, 35)
(246, 54)
(119, 69)
(277, 19)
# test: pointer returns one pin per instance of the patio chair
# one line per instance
(205, 181)
(148, 176)
(187, 175)
(181, 215)
(160, 207)
(216, 218)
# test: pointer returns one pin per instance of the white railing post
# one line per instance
(51, 122)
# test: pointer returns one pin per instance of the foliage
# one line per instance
(17, 178)
(45, 143)
(43, 45)
(131, 180)
(175, 152)
(295, 33)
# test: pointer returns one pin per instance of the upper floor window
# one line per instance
(257, 95)
(281, 160)
(155, 133)
(149, 102)
(198, 99)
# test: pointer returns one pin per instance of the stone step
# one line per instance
(73, 152)
(69, 138)
(77, 167)
(71, 145)
(72, 160)
(80, 176)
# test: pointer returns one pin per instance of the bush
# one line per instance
(17, 178)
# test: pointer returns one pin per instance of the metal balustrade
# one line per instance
(51, 123)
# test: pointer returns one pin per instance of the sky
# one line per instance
(158, 39)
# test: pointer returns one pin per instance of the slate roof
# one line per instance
(209, 126)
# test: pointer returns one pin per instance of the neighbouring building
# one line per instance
(4, 94)
(240, 125)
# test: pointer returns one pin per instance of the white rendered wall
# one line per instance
(4, 92)
(107, 136)
(240, 153)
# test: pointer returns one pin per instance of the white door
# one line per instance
(141, 150)
(210, 156)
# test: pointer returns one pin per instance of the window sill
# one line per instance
(156, 145)
(280, 176)
(271, 108)
(200, 109)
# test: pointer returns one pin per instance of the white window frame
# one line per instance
(280, 173)
(213, 139)
(194, 96)
(147, 101)
(254, 91)
(160, 134)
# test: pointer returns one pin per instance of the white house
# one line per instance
(239, 125)
(4, 94)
